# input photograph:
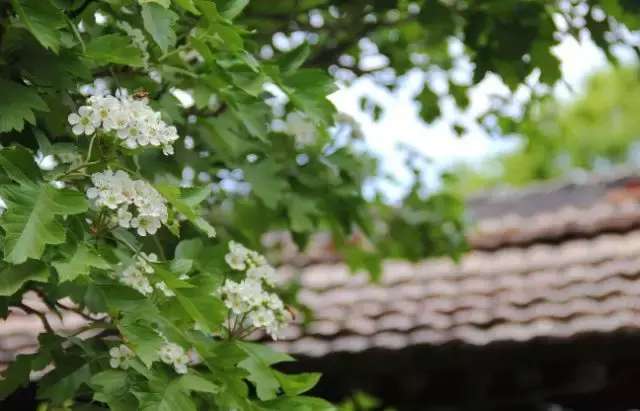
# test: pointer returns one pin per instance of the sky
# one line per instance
(401, 125)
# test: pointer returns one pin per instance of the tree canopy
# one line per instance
(509, 38)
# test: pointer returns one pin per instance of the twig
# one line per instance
(75, 13)
(90, 147)
(79, 167)
(42, 316)
(79, 312)
(159, 247)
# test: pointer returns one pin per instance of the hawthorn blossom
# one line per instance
(133, 277)
(131, 119)
(240, 257)
(263, 272)
(138, 204)
(83, 122)
(162, 287)
(255, 305)
(120, 356)
(174, 355)
(237, 255)
(136, 274)
(248, 299)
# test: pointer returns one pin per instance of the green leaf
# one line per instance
(13, 277)
(296, 384)
(19, 165)
(111, 387)
(209, 10)
(31, 220)
(65, 388)
(231, 8)
(159, 22)
(18, 105)
(188, 5)
(429, 106)
(16, 375)
(116, 49)
(186, 201)
(293, 59)
(302, 403)
(301, 213)
(170, 278)
(110, 381)
(171, 397)
(188, 249)
(202, 307)
(142, 337)
(258, 364)
(164, 3)
(43, 20)
(80, 263)
(265, 182)
(308, 89)
(193, 382)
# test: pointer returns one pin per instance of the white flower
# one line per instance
(139, 205)
(104, 109)
(120, 357)
(301, 128)
(162, 287)
(124, 216)
(237, 256)
(99, 87)
(174, 355)
(47, 162)
(133, 277)
(145, 224)
(134, 122)
(260, 309)
(84, 122)
(264, 272)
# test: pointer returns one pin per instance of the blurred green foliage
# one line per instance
(596, 130)
(509, 38)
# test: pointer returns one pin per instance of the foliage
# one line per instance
(596, 130)
(133, 132)
(509, 38)
(361, 401)
(114, 189)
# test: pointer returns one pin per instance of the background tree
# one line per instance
(509, 38)
(594, 131)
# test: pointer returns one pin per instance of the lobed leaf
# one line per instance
(32, 218)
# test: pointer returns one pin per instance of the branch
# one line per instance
(42, 316)
(75, 13)
(79, 312)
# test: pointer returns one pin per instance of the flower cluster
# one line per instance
(248, 299)
(117, 191)
(135, 275)
(130, 119)
(120, 356)
(175, 355)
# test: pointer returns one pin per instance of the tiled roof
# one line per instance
(512, 294)
(552, 261)
(19, 331)
(555, 211)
